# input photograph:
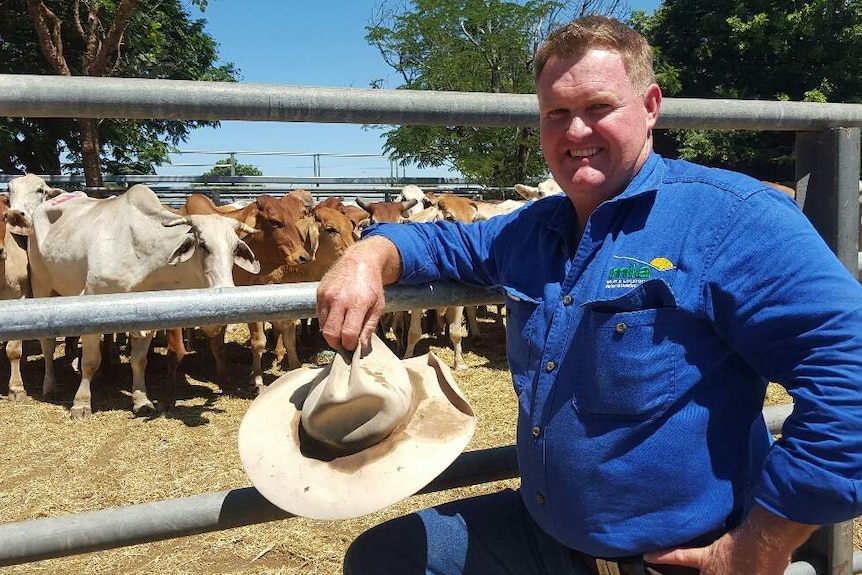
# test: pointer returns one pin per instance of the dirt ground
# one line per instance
(52, 466)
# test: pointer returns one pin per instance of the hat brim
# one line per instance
(341, 487)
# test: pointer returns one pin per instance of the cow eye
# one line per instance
(332, 231)
(450, 218)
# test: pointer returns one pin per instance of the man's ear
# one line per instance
(652, 104)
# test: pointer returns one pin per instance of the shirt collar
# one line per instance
(647, 179)
(564, 219)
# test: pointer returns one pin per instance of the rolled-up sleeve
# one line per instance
(785, 303)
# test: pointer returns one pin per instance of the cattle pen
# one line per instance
(827, 175)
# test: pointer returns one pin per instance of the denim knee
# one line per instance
(396, 546)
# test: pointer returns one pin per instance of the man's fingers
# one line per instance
(370, 325)
(692, 557)
(330, 329)
(355, 326)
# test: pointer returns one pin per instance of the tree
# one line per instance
(128, 38)
(229, 167)
(754, 49)
(471, 46)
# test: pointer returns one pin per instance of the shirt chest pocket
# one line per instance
(629, 352)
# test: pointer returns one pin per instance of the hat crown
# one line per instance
(361, 401)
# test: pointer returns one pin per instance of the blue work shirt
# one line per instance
(641, 354)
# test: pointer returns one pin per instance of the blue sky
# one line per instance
(317, 43)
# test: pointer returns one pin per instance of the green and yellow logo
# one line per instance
(637, 271)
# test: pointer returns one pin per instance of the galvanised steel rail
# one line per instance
(136, 98)
(115, 313)
(288, 180)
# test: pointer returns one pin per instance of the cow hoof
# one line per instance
(17, 395)
(81, 412)
(144, 410)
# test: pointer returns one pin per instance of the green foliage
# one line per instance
(469, 46)
(161, 41)
(223, 168)
(753, 49)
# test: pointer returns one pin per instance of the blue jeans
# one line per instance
(486, 535)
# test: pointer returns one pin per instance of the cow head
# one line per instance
(395, 212)
(335, 227)
(279, 219)
(454, 208)
(215, 239)
(25, 193)
(545, 188)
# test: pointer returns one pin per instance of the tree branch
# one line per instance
(50, 35)
(111, 44)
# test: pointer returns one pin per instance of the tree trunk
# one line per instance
(90, 146)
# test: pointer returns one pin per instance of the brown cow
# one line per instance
(15, 285)
(283, 240)
(451, 208)
(356, 214)
(386, 211)
(336, 235)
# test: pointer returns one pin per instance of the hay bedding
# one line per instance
(54, 466)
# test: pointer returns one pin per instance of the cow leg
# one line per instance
(414, 333)
(215, 336)
(16, 384)
(91, 358)
(49, 383)
(141, 404)
(288, 337)
(176, 351)
(279, 346)
(455, 317)
(257, 335)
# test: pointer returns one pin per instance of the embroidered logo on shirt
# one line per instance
(636, 272)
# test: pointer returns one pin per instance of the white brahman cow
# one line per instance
(128, 243)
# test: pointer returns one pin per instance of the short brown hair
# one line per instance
(583, 34)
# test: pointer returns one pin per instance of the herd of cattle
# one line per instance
(58, 243)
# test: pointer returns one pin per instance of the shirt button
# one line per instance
(540, 499)
(567, 300)
(550, 366)
(620, 327)
(536, 431)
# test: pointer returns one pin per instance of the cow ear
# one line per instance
(53, 192)
(184, 251)
(312, 235)
(244, 258)
(19, 224)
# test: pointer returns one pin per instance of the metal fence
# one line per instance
(173, 190)
(828, 159)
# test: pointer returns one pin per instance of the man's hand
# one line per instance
(350, 296)
(760, 546)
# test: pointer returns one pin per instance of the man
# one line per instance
(647, 310)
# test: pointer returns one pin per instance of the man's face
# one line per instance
(595, 129)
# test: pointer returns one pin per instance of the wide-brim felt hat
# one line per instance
(354, 436)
